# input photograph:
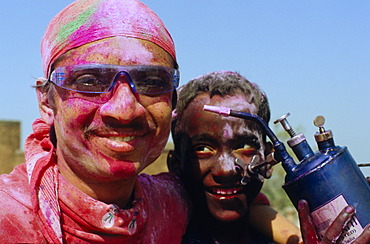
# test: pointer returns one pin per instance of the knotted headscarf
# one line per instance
(86, 21)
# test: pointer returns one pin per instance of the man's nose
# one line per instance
(226, 170)
(124, 104)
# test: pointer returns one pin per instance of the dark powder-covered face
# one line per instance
(216, 142)
(116, 139)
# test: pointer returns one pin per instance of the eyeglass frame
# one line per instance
(121, 70)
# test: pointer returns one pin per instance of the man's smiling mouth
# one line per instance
(223, 191)
(122, 138)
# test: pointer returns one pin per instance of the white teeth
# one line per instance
(226, 191)
(122, 138)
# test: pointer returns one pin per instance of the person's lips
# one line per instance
(122, 138)
(224, 192)
(119, 141)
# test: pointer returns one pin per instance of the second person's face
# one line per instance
(217, 141)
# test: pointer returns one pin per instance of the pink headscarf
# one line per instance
(85, 21)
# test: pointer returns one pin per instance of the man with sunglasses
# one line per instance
(106, 100)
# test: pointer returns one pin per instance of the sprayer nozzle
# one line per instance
(225, 111)
(284, 122)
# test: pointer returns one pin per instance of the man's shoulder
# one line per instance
(165, 199)
(17, 218)
(166, 180)
(14, 187)
(161, 177)
(164, 184)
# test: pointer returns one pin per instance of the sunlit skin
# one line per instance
(102, 146)
(217, 141)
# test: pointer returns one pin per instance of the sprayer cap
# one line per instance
(295, 140)
(323, 136)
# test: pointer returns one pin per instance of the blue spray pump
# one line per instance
(328, 179)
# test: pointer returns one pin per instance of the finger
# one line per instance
(307, 228)
(364, 237)
(336, 228)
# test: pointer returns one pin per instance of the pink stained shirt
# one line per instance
(37, 205)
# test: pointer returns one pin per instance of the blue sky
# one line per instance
(310, 57)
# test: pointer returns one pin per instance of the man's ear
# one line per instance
(45, 108)
(173, 162)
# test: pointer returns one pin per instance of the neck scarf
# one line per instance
(42, 175)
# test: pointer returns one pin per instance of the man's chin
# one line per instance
(121, 168)
(228, 215)
(228, 209)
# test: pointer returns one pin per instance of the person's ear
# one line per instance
(45, 108)
(173, 162)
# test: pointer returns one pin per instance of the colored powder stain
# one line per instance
(69, 28)
(227, 131)
(121, 169)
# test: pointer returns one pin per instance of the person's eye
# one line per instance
(89, 83)
(153, 82)
(204, 151)
(245, 149)
(87, 80)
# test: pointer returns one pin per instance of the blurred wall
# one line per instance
(10, 153)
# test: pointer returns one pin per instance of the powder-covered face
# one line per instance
(117, 139)
(217, 141)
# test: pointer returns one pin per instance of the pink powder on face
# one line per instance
(120, 169)
(86, 21)
(228, 131)
(118, 50)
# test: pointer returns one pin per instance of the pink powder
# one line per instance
(85, 21)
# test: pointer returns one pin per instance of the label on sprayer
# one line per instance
(325, 215)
